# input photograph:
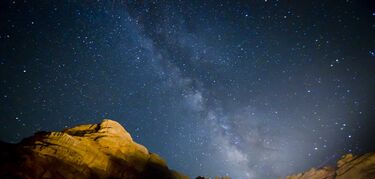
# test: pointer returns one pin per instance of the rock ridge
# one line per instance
(104, 150)
(348, 167)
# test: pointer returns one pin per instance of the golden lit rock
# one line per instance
(348, 167)
(326, 173)
(360, 167)
(104, 150)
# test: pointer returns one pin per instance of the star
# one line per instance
(216, 88)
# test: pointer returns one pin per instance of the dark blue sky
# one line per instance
(255, 89)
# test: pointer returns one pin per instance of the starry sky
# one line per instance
(254, 89)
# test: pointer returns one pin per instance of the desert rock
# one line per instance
(348, 167)
(104, 150)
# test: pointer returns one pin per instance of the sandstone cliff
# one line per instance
(349, 167)
(104, 150)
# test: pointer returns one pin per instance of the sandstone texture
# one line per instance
(349, 167)
(104, 150)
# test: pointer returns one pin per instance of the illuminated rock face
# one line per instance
(104, 150)
(349, 167)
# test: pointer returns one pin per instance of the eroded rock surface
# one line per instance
(349, 167)
(104, 150)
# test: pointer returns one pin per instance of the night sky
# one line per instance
(255, 89)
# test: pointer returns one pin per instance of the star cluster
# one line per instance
(255, 89)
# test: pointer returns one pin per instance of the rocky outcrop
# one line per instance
(349, 167)
(104, 150)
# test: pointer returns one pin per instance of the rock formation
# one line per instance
(104, 150)
(349, 167)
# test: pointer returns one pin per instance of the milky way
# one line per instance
(250, 90)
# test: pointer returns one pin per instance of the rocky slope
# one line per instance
(104, 150)
(349, 167)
